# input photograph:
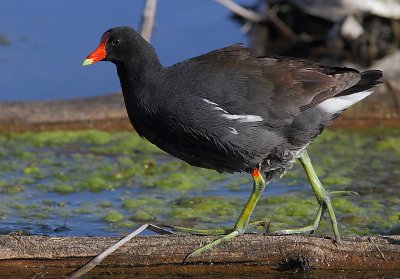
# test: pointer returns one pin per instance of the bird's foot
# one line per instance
(211, 245)
(227, 234)
(231, 234)
(242, 223)
(197, 231)
(307, 229)
(219, 231)
(325, 203)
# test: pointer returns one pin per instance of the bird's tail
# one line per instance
(354, 94)
(369, 79)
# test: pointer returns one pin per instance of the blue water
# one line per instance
(49, 39)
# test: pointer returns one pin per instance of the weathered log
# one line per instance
(270, 252)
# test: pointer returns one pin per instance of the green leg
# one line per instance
(323, 198)
(242, 223)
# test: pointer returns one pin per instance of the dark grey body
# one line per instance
(229, 110)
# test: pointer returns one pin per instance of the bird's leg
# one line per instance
(217, 231)
(323, 198)
(243, 221)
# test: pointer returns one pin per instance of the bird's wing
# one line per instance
(232, 83)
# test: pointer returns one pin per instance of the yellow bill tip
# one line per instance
(87, 62)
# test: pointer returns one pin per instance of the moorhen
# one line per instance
(232, 111)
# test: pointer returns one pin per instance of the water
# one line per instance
(108, 183)
(43, 43)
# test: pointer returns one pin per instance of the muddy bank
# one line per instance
(102, 112)
(108, 112)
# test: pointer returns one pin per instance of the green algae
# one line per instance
(63, 189)
(122, 180)
(113, 216)
(40, 215)
(345, 206)
(389, 144)
(30, 169)
(174, 181)
(96, 183)
(289, 206)
(133, 204)
(145, 208)
(204, 209)
(182, 178)
(142, 215)
(82, 210)
(104, 204)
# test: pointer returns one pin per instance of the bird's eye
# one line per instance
(115, 42)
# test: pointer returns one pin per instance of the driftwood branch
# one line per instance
(148, 16)
(279, 24)
(146, 252)
(99, 258)
(239, 10)
(251, 16)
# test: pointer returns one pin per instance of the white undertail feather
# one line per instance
(233, 131)
(337, 104)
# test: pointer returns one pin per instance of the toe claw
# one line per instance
(186, 257)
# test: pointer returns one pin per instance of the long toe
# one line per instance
(214, 243)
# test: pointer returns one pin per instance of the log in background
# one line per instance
(108, 113)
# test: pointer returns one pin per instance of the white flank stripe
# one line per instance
(209, 102)
(221, 109)
(216, 107)
(243, 118)
(337, 104)
(233, 131)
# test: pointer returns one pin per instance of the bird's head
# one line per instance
(117, 45)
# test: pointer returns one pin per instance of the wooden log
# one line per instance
(271, 252)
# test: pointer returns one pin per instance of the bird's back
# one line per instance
(229, 110)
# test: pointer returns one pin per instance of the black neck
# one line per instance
(140, 79)
(137, 82)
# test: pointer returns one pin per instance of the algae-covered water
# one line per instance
(107, 183)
